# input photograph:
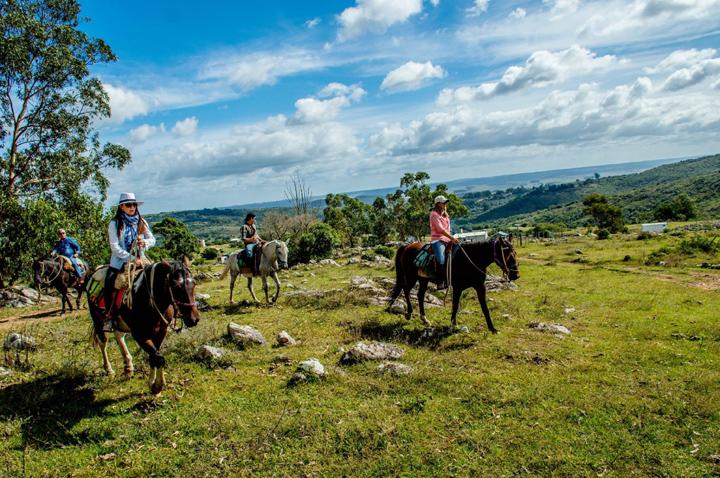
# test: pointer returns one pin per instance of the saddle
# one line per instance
(96, 285)
(254, 262)
(67, 264)
(426, 262)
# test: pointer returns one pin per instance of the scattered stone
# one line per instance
(364, 284)
(464, 329)
(532, 254)
(290, 286)
(662, 263)
(353, 260)
(245, 335)
(202, 304)
(208, 352)
(714, 459)
(362, 351)
(555, 328)
(204, 276)
(329, 262)
(398, 307)
(4, 372)
(312, 261)
(387, 282)
(568, 310)
(382, 260)
(495, 283)
(298, 377)
(15, 341)
(579, 251)
(311, 367)
(17, 297)
(285, 340)
(202, 296)
(506, 316)
(394, 368)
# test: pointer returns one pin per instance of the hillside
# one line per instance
(638, 194)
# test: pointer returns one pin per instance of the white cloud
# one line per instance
(576, 117)
(518, 13)
(375, 16)
(126, 104)
(435, 3)
(479, 7)
(682, 59)
(185, 127)
(686, 77)
(411, 76)
(541, 68)
(562, 7)
(145, 131)
(312, 23)
(314, 110)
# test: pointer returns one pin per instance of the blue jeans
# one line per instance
(438, 248)
(75, 264)
(250, 250)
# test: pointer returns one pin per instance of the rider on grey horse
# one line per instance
(250, 238)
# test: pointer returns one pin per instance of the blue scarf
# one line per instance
(130, 230)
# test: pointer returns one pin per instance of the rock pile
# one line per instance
(363, 351)
(23, 297)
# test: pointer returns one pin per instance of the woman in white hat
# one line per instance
(440, 235)
(126, 229)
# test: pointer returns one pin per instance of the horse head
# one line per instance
(282, 254)
(182, 291)
(505, 257)
(276, 251)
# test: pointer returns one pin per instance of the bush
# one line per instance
(210, 253)
(385, 251)
(644, 236)
(699, 244)
(603, 234)
(318, 242)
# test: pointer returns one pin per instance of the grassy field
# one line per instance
(633, 390)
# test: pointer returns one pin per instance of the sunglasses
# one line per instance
(129, 204)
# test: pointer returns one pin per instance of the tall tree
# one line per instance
(605, 215)
(177, 240)
(49, 103)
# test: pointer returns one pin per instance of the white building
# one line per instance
(655, 227)
(472, 236)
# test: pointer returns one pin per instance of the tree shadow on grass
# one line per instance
(402, 331)
(49, 409)
(240, 308)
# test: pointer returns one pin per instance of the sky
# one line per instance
(220, 103)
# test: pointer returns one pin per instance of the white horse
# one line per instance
(274, 256)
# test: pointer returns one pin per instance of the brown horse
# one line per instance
(52, 273)
(159, 292)
(468, 264)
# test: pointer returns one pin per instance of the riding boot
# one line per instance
(442, 283)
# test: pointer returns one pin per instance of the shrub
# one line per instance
(210, 253)
(699, 244)
(318, 242)
(644, 236)
(385, 251)
(603, 234)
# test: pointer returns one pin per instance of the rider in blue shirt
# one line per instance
(68, 247)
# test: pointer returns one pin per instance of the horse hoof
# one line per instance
(110, 372)
(128, 374)
(156, 389)
(493, 331)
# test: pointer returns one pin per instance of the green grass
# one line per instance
(633, 390)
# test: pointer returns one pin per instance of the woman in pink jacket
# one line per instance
(440, 235)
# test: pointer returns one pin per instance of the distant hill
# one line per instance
(637, 194)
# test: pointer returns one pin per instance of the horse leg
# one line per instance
(250, 288)
(157, 361)
(457, 293)
(483, 304)
(406, 289)
(265, 289)
(127, 358)
(421, 300)
(233, 276)
(102, 341)
(277, 287)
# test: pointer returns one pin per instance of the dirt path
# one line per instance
(45, 315)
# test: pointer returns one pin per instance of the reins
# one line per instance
(174, 303)
(42, 273)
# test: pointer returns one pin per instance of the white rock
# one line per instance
(362, 351)
(15, 341)
(555, 328)
(285, 340)
(4, 372)
(202, 296)
(353, 260)
(329, 262)
(568, 310)
(208, 352)
(312, 366)
(394, 368)
(245, 335)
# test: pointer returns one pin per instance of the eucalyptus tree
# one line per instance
(50, 152)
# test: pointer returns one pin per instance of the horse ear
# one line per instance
(186, 261)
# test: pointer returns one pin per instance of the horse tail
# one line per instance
(225, 271)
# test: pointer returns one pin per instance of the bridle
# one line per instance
(43, 270)
(502, 260)
(175, 303)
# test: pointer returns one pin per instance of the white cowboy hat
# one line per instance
(128, 197)
(441, 199)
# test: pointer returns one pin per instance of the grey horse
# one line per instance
(274, 256)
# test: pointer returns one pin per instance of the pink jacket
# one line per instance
(438, 224)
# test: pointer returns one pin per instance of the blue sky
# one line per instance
(221, 105)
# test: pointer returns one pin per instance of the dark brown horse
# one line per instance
(467, 269)
(159, 293)
(51, 273)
